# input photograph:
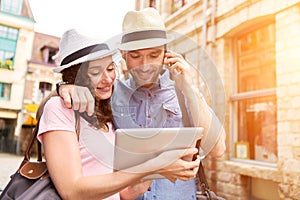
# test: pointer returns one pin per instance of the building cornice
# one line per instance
(16, 20)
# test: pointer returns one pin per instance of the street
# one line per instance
(9, 163)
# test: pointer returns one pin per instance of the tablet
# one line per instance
(136, 146)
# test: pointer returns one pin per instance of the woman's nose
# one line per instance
(106, 77)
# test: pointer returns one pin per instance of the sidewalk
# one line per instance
(9, 164)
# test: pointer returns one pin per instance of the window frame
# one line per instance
(239, 96)
(48, 53)
(175, 2)
(8, 39)
(11, 6)
(46, 86)
(2, 88)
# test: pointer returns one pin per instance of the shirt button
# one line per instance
(149, 116)
(176, 110)
(122, 114)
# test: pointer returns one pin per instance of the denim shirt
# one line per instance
(157, 107)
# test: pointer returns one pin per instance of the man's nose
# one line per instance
(144, 60)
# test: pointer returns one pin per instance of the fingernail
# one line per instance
(195, 150)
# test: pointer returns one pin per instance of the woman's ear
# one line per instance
(123, 53)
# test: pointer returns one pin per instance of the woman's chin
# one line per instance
(103, 95)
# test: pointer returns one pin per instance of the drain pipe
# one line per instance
(213, 27)
(203, 56)
(213, 47)
(204, 25)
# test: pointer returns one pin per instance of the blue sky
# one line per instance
(97, 18)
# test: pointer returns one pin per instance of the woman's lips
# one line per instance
(104, 89)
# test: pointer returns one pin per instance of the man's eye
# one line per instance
(154, 55)
(134, 55)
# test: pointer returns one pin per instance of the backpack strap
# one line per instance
(185, 117)
(35, 131)
(77, 123)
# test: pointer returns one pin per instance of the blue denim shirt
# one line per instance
(157, 107)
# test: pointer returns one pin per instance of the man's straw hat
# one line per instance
(143, 29)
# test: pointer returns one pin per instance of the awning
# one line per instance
(30, 114)
(32, 108)
(30, 120)
(8, 114)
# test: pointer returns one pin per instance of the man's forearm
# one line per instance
(213, 141)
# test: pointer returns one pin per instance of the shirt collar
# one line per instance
(165, 80)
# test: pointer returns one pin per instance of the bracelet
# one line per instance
(59, 84)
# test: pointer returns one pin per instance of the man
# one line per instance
(149, 98)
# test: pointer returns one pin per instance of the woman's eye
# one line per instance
(111, 67)
(95, 73)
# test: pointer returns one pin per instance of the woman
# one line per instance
(80, 165)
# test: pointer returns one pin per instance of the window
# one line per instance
(152, 3)
(48, 53)
(7, 136)
(5, 90)
(44, 89)
(12, 6)
(8, 44)
(177, 4)
(255, 101)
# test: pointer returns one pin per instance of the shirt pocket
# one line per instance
(124, 116)
(174, 115)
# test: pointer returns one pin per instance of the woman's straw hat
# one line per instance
(75, 48)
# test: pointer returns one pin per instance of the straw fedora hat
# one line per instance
(76, 48)
(143, 29)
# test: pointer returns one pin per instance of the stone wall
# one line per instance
(288, 94)
(228, 177)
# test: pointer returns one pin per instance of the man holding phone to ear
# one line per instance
(148, 98)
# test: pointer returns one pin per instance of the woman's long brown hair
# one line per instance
(78, 75)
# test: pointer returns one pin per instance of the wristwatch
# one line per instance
(59, 84)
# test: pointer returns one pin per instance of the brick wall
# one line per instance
(288, 80)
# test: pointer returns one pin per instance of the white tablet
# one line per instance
(135, 146)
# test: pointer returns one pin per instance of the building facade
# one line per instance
(16, 38)
(245, 55)
(26, 75)
(40, 81)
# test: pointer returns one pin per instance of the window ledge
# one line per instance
(255, 171)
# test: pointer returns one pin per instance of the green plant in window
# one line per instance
(6, 65)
